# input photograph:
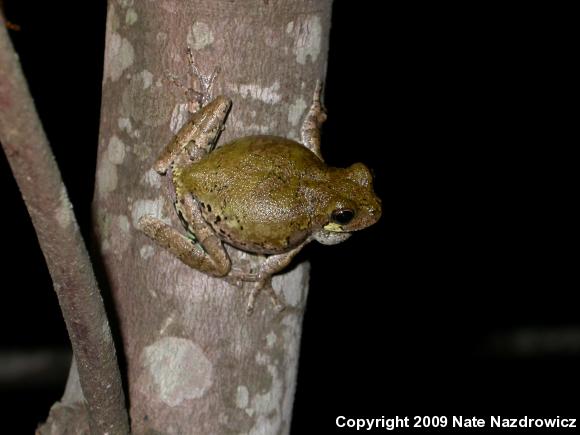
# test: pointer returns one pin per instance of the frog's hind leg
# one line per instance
(210, 257)
(198, 136)
(262, 278)
(311, 126)
(180, 246)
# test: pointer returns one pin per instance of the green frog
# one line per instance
(265, 195)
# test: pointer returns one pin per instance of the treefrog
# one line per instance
(266, 195)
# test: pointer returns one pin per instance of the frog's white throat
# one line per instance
(328, 236)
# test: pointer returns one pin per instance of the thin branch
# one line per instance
(40, 183)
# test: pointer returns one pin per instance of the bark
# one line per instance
(35, 170)
(196, 363)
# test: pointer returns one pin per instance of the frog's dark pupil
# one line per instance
(342, 217)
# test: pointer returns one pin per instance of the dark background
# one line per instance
(460, 300)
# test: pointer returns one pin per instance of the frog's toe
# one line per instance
(252, 300)
(236, 274)
(264, 284)
(279, 306)
(235, 281)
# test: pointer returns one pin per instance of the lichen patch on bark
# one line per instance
(107, 170)
(266, 94)
(266, 405)
(123, 224)
(146, 252)
(126, 3)
(291, 286)
(178, 369)
(119, 56)
(131, 17)
(64, 214)
(199, 36)
(125, 125)
(106, 177)
(270, 339)
(242, 397)
(296, 111)
(308, 38)
(147, 78)
(119, 235)
(151, 207)
(152, 179)
(251, 128)
(179, 117)
(116, 150)
(291, 339)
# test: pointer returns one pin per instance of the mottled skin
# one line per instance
(261, 194)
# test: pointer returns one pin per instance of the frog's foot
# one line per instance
(311, 125)
(196, 99)
(265, 284)
(238, 278)
(205, 81)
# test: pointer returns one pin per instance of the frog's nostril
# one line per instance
(375, 211)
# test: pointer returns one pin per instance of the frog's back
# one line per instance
(253, 154)
(253, 191)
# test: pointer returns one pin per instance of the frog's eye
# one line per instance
(342, 216)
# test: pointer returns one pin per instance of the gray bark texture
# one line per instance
(38, 177)
(196, 363)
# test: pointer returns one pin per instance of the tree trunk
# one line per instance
(196, 363)
(100, 407)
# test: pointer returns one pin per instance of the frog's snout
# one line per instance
(377, 210)
(374, 212)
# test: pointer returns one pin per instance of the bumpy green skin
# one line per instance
(267, 194)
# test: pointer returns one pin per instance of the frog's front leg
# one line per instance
(311, 126)
(212, 259)
(198, 136)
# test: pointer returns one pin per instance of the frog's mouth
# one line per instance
(333, 227)
(333, 236)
